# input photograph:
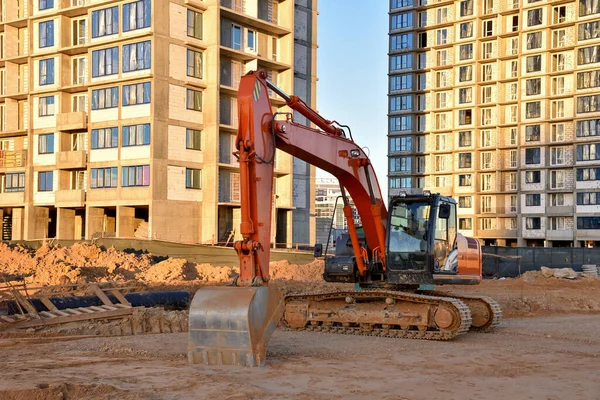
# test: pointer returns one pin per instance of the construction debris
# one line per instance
(562, 273)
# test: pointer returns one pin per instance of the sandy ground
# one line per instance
(554, 357)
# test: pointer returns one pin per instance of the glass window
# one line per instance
(46, 4)
(105, 22)
(402, 20)
(193, 100)
(193, 139)
(589, 30)
(194, 64)
(105, 138)
(45, 181)
(534, 17)
(193, 178)
(532, 133)
(15, 182)
(533, 223)
(532, 177)
(534, 40)
(589, 127)
(46, 143)
(586, 104)
(105, 62)
(47, 71)
(138, 175)
(399, 164)
(137, 56)
(532, 156)
(194, 25)
(105, 98)
(46, 106)
(588, 7)
(46, 34)
(138, 93)
(136, 135)
(104, 178)
(136, 15)
(533, 200)
(588, 55)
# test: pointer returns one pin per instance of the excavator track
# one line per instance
(378, 313)
(486, 313)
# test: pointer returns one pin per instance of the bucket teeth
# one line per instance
(232, 325)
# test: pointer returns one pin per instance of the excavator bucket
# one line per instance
(232, 325)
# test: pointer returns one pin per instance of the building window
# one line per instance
(588, 174)
(47, 71)
(104, 178)
(466, 30)
(466, 8)
(464, 201)
(558, 85)
(589, 30)
(401, 123)
(464, 160)
(46, 144)
(400, 183)
(556, 223)
(534, 40)
(105, 138)
(136, 135)
(486, 160)
(514, 69)
(194, 64)
(512, 140)
(79, 70)
(534, 17)
(138, 93)
(105, 62)
(588, 79)
(512, 185)
(401, 144)
(533, 87)
(588, 152)
(442, 15)
(532, 177)
(588, 55)
(45, 180)
(487, 73)
(465, 95)
(589, 127)
(486, 204)
(193, 178)
(486, 182)
(442, 58)
(559, 15)
(488, 6)
(401, 82)
(513, 158)
(533, 109)
(46, 106)
(401, 103)
(583, 199)
(442, 36)
(464, 139)
(532, 133)
(533, 223)
(533, 200)
(588, 7)
(465, 117)
(557, 179)
(465, 180)
(194, 25)
(488, 28)
(136, 15)
(532, 156)
(403, 41)
(559, 38)
(486, 116)
(46, 34)
(193, 139)
(465, 52)
(136, 56)
(557, 132)
(487, 224)
(105, 98)
(558, 109)
(402, 61)
(557, 199)
(486, 94)
(402, 20)
(487, 50)
(465, 224)
(487, 138)
(46, 4)
(138, 175)
(534, 63)
(400, 164)
(79, 33)
(105, 22)
(586, 104)
(422, 19)
(558, 62)
(588, 222)
(193, 100)
(15, 182)
(465, 73)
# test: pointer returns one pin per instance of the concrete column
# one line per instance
(125, 221)
(65, 223)
(17, 223)
(36, 222)
(237, 220)
(78, 227)
(95, 221)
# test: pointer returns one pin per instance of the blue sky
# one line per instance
(352, 72)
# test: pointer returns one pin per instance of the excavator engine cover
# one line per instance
(232, 325)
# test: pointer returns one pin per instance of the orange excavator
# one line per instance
(391, 260)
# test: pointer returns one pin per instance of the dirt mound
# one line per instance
(312, 272)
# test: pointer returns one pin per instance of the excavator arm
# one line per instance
(260, 134)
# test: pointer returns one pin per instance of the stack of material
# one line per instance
(591, 270)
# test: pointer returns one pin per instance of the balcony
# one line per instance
(498, 233)
(71, 159)
(13, 159)
(559, 210)
(73, 121)
(12, 199)
(564, 234)
(70, 198)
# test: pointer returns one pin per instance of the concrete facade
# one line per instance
(118, 118)
(496, 104)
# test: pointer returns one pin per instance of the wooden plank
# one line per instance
(73, 311)
(100, 294)
(120, 297)
(86, 310)
(118, 305)
(47, 314)
(97, 308)
(49, 305)
(7, 319)
(61, 313)
(73, 318)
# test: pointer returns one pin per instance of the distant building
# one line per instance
(327, 193)
(496, 103)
